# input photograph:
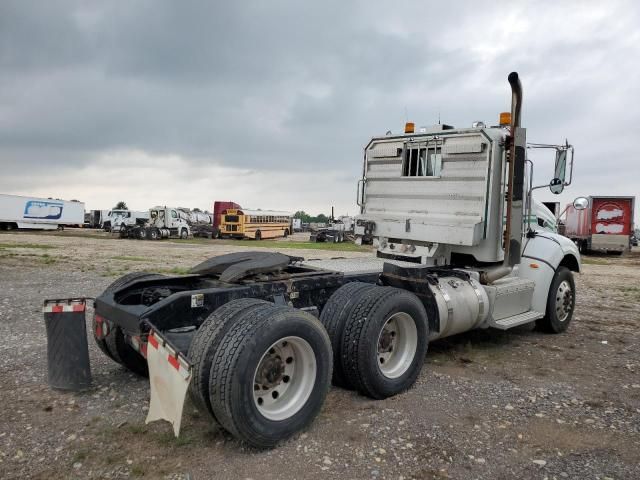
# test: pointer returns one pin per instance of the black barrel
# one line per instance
(67, 348)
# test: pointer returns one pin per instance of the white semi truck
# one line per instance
(166, 222)
(39, 213)
(256, 338)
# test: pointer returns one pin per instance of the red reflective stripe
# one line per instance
(99, 331)
(174, 362)
(57, 309)
(143, 348)
(78, 308)
(153, 341)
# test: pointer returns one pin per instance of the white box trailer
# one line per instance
(39, 213)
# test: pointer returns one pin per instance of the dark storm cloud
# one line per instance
(303, 85)
(235, 81)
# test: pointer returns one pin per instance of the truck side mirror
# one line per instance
(580, 203)
(557, 184)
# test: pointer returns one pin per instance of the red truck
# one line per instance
(606, 225)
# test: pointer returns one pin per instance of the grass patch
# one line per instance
(633, 292)
(47, 259)
(131, 259)
(338, 247)
(169, 439)
(276, 244)
(80, 456)
(26, 245)
(175, 271)
(138, 429)
(138, 470)
(594, 261)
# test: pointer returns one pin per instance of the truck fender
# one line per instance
(541, 257)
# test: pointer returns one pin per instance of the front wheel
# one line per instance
(184, 234)
(258, 235)
(560, 303)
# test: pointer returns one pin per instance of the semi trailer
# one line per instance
(18, 212)
(256, 338)
(606, 225)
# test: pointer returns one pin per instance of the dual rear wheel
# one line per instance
(261, 371)
(379, 338)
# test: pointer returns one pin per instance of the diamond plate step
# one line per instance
(516, 320)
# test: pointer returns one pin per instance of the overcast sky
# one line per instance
(270, 103)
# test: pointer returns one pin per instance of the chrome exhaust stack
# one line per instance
(516, 156)
(515, 181)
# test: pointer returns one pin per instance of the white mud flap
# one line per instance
(169, 376)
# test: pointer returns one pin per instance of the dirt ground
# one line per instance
(487, 405)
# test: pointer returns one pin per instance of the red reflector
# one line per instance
(153, 341)
(174, 362)
(57, 309)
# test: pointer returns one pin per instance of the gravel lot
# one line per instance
(488, 404)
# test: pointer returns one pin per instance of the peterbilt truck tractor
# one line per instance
(255, 339)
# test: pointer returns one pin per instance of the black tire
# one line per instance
(553, 321)
(124, 353)
(114, 345)
(286, 232)
(360, 356)
(184, 234)
(153, 234)
(333, 317)
(240, 353)
(258, 235)
(142, 233)
(205, 345)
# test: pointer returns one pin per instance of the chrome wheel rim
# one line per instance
(397, 345)
(564, 301)
(284, 378)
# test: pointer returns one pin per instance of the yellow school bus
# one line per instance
(256, 224)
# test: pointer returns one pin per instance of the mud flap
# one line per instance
(67, 349)
(169, 376)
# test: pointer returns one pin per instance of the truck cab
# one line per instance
(442, 196)
(169, 222)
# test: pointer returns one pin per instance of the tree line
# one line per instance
(306, 218)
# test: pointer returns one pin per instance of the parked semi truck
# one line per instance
(39, 213)
(256, 338)
(163, 222)
(116, 219)
(606, 225)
